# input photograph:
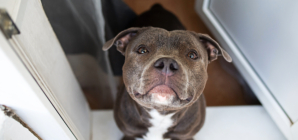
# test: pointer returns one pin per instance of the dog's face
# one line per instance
(165, 70)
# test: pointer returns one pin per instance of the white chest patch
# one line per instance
(160, 124)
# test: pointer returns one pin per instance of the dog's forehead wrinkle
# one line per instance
(182, 41)
(176, 39)
(168, 40)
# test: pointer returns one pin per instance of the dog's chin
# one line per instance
(160, 97)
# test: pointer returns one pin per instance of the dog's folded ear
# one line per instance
(122, 39)
(213, 48)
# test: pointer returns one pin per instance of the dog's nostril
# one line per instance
(159, 65)
(173, 67)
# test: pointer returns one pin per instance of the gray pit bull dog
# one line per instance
(164, 75)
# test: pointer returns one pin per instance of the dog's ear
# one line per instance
(213, 48)
(121, 40)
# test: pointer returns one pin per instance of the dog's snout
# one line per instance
(166, 66)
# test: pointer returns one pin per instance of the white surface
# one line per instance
(10, 129)
(257, 85)
(160, 124)
(15, 8)
(222, 123)
(239, 123)
(294, 130)
(42, 54)
(104, 127)
(266, 34)
(19, 91)
(12, 6)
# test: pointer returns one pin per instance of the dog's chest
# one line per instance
(160, 124)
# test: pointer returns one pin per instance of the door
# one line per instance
(36, 79)
(261, 37)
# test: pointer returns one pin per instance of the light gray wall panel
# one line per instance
(266, 32)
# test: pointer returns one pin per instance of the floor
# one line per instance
(222, 88)
(234, 123)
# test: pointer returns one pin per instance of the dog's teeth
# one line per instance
(161, 97)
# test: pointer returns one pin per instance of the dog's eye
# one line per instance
(192, 55)
(142, 50)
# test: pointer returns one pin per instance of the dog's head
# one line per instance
(165, 70)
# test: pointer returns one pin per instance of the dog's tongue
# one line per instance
(162, 92)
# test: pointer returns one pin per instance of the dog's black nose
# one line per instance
(166, 66)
